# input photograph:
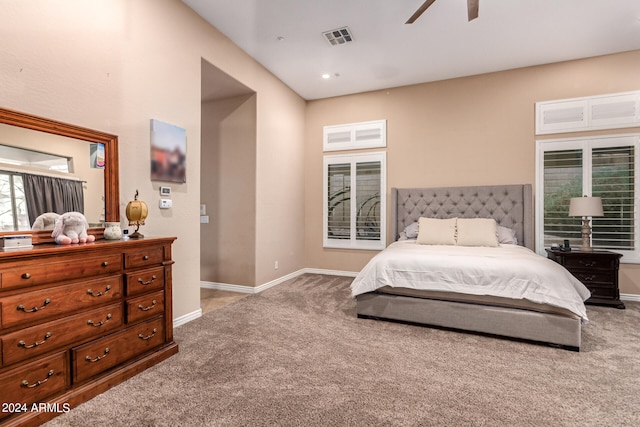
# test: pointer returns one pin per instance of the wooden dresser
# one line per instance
(76, 320)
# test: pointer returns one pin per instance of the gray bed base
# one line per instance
(511, 206)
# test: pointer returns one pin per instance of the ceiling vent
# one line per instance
(338, 36)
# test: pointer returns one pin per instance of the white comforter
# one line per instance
(507, 271)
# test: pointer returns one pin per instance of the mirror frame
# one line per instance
(111, 170)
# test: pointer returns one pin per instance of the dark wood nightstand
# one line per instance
(597, 270)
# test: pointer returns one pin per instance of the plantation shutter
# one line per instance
(339, 205)
(613, 172)
(354, 201)
(368, 175)
(562, 180)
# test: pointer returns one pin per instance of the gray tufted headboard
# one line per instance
(510, 205)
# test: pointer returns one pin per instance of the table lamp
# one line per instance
(136, 212)
(586, 207)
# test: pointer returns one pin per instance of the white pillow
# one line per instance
(506, 235)
(433, 231)
(477, 232)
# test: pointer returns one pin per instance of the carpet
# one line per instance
(296, 355)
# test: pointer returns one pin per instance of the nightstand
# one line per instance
(597, 270)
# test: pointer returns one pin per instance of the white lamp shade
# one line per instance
(586, 206)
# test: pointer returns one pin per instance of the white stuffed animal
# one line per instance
(71, 227)
(46, 221)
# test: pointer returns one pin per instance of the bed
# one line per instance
(514, 292)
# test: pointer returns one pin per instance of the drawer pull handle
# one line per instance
(26, 384)
(34, 309)
(153, 304)
(148, 282)
(37, 343)
(588, 263)
(105, 264)
(146, 257)
(99, 294)
(102, 322)
(26, 276)
(98, 358)
(587, 278)
(148, 337)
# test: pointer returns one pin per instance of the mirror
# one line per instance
(89, 136)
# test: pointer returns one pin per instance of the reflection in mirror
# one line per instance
(91, 159)
(42, 172)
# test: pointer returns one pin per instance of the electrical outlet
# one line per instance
(165, 204)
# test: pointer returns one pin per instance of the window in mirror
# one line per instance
(34, 159)
(13, 205)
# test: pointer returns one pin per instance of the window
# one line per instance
(602, 167)
(354, 201)
(13, 205)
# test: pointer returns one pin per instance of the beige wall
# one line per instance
(113, 65)
(228, 189)
(467, 131)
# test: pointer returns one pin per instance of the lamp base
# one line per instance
(136, 234)
(586, 236)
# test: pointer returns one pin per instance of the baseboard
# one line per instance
(331, 272)
(265, 286)
(187, 318)
(630, 297)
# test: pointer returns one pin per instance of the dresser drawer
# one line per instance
(42, 304)
(39, 339)
(145, 280)
(104, 353)
(145, 306)
(146, 257)
(45, 271)
(36, 380)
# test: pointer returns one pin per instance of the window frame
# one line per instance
(352, 242)
(587, 143)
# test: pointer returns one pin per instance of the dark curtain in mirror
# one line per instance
(49, 194)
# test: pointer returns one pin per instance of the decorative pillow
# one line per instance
(477, 232)
(506, 235)
(433, 231)
(410, 231)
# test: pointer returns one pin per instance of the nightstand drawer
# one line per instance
(595, 277)
(609, 292)
(590, 262)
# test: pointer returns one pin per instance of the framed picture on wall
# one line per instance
(168, 152)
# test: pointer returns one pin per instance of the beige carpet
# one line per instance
(296, 355)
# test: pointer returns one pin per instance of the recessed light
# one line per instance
(280, 38)
(326, 76)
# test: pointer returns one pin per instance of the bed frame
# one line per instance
(511, 206)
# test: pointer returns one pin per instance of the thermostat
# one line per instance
(165, 191)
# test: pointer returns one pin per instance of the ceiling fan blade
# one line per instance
(420, 11)
(472, 9)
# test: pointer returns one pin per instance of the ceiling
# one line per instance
(285, 36)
